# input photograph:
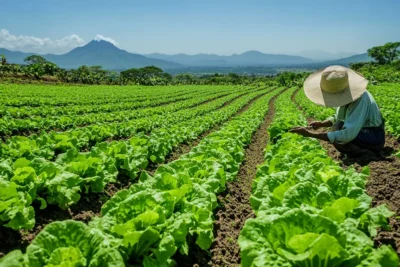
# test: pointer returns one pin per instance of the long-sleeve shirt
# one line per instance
(362, 113)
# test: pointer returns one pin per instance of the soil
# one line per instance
(383, 184)
(185, 148)
(30, 132)
(89, 204)
(234, 206)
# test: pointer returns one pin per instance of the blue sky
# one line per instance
(207, 26)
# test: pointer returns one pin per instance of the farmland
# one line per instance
(184, 175)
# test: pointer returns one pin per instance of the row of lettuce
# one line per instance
(49, 144)
(157, 217)
(309, 211)
(25, 126)
(387, 96)
(42, 96)
(46, 111)
(26, 180)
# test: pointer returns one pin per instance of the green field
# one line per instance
(136, 176)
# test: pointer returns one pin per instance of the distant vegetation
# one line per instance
(37, 68)
(385, 68)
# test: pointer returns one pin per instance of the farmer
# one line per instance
(358, 126)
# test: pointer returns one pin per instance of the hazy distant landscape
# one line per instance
(109, 56)
(186, 133)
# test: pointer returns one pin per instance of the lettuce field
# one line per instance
(189, 176)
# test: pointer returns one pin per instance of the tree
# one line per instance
(153, 70)
(386, 53)
(185, 78)
(392, 51)
(3, 60)
(149, 75)
(35, 59)
(130, 74)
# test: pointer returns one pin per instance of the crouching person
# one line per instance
(357, 127)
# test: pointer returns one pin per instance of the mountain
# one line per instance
(250, 58)
(342, 61)
(192, 60)
(14, 56)
(107, 55)
(353, 59)
(95, 53)
(320, 55)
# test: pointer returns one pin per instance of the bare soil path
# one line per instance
(234, 206)
(90, 204)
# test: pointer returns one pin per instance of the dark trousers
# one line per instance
(372, 139)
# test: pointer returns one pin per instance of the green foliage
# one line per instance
(377, 73)
(150, 75)
(35, 59)
(155, 218)
(38, 67)
(29, 162)
(3, 60)
(387, 97)
(309, 211)
(385, 54)
(290, 79)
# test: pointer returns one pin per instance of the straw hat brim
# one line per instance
(357, 86)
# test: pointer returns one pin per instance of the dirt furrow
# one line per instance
(383, 184)
(90, 204)
(234, 206)
(187, 146)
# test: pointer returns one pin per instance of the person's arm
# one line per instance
(318, 124)
(306, 133)
(329, 122)
(353, 123)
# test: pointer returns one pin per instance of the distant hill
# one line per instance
(107, 55)
(342, 62)
(95, 53)
(353, 59)
(250, 58)
(320, 55)
(15, 57)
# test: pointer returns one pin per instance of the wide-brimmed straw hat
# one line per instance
(335, 86)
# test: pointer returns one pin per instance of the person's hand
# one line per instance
(315, 125)
(301, 131)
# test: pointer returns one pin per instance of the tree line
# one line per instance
(38, 68)
(386, 64)
(384, 68)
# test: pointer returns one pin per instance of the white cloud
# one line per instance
(38, 45)
(33, 44)
(100, 37)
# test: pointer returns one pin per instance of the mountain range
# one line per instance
(319, 55)
(95, 53)
(107, 55)
(250, 58)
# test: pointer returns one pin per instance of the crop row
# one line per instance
(49, 145)
(17, 95)
(313, 110)
(11, 126)
(388, 98)
(309, 211)
(61, 182)
(152, 101)
(158, 216)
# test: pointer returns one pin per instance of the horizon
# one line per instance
(222, 28)
(155, 53)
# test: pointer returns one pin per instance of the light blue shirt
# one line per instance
(362, 113)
